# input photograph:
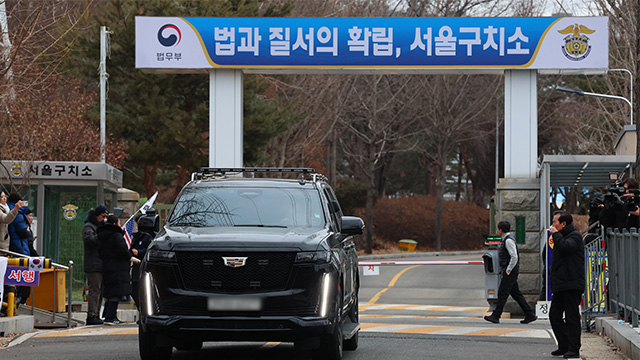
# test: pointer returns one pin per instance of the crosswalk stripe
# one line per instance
(369, 307)
(454, 330)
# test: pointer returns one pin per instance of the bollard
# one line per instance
(11, 302)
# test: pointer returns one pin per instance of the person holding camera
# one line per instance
(7, 215)
(633, 218)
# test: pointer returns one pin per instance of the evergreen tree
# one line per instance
(164, 118)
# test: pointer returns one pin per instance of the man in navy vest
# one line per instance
(509, 267)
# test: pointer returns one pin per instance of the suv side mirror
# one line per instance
(352, 225)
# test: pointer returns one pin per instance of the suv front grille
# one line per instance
(263, 271)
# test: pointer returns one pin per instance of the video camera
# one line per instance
(149, 222)
(616, 194)
(612, 208)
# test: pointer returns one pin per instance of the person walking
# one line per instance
(92, 262)
(116, 259)
(7, 216)
(509, 267)
(567, 284)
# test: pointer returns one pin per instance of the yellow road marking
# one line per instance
(133, 331)
(68, 333)
(391, 284)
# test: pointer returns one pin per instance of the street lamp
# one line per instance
(586, 93)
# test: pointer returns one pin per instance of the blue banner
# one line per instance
(372, 42)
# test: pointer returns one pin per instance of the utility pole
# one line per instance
(105, 50)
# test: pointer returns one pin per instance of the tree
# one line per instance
(164, 117)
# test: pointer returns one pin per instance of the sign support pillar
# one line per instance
(520, 124)
(225, 118)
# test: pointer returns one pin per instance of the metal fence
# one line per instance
(623, 249)
(596, 277)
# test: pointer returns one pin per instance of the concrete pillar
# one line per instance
(225, 118)
(521, 198)
(521, 124)
(518, 194)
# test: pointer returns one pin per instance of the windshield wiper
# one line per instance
(185, 224)
(261, 225)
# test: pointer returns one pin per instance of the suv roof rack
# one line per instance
(210, 172)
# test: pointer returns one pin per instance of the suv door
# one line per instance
(346, 249)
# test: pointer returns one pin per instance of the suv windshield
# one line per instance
(248, 206)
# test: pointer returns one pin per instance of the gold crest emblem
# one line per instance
(576, 45)
(70, 211)
(16, 169)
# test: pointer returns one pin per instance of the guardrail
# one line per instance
(11, 306)
(624, 277)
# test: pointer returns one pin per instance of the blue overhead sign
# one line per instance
(372, 43)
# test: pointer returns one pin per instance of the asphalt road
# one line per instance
(406, 312)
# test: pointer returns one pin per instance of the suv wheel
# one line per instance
(149, 350)
(331, 344)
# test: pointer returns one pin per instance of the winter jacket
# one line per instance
(92, 262)
(140, 242)
(18, 232)
(567, 263)
(6, 217)
(115, 257)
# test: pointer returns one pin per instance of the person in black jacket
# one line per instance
(567, 284)
(116, 263)
(139, 244)
(92, 262)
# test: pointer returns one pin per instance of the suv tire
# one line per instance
(331, 345)
(149, 350)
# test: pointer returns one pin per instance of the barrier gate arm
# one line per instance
(378, 263)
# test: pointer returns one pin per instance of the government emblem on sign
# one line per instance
(16, 169)
(576, 45)
(234, 261)
(70, 211)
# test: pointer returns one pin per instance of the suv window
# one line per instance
(248, 206)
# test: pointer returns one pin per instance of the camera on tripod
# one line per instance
(612, 208)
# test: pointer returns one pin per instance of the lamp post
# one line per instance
(586, 93)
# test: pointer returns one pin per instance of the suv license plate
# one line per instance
(229, 303)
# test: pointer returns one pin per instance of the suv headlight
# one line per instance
(319, 257)
(159, 255)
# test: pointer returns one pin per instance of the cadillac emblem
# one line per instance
(234, 262)
(576, 45)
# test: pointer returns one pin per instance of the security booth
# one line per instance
(568, 171)
(60, 195)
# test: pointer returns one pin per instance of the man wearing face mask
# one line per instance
(92, 262)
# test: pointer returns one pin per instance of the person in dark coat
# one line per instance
(116, 264)
(567, 284)
(19, 239)
(139, 244)
(92, 262)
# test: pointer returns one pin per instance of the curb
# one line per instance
(623, 335)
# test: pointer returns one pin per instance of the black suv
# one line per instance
(252, 259)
